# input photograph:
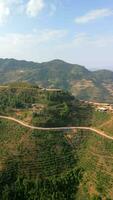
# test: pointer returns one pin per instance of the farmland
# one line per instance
(53, 165)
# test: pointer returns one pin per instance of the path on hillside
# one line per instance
(29, 88)
(106, 123)
(99, 132)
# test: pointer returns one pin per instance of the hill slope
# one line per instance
(65, 165)
(77, 79)
(82, 83)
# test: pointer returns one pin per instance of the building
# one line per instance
(102, 109)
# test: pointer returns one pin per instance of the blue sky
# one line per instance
(40, 30)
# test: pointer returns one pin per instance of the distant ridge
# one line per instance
(83, 83)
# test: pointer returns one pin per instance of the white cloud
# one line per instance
(100, 41)
(31, 8)
(34, 7)
(11, 7)
(93, 15)
(37, 38)
(85, 49)
(88, 50)
(4, 11)
(29, 46)
(8, 8)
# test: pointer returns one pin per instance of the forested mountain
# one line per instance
(81, 82)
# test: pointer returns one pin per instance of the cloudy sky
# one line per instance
(41, 30)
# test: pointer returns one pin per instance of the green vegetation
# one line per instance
(51, 165)
(103, 121)
(83, 83)
(35, 165)
(95, 156)
(43, 108)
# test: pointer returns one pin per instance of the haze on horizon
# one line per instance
(42, 30)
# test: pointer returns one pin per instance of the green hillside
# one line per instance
(81, 82)
(51, 165)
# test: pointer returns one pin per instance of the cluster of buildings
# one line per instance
(102, 107)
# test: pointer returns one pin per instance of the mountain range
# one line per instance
(81, 82)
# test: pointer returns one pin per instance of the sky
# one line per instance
(75, 31)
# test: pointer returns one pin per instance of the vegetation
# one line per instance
(64, 165)
(103, 121)
(95, 156)
(35, 165)
(83, 83)
(43, 108)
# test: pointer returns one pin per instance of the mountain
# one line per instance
(82, 83)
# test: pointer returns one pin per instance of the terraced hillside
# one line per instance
(64, 165)
(95, 155)
(103, 121)
(42, 107)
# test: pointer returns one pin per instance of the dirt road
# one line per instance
(99, 132)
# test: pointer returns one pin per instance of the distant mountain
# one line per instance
(84, 84)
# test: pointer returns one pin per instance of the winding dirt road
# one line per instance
(99, 132)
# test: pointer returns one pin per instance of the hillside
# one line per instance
(52, 165)
(81, 82)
